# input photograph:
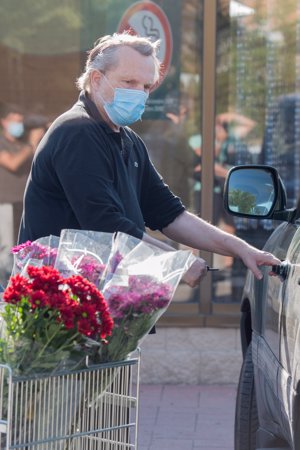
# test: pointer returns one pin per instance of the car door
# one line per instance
(266, 294)
(266, 339)
(289, 371)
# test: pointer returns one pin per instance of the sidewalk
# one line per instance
(185, 417)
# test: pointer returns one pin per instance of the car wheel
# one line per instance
(246, 418)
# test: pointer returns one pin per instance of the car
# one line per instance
(267, 413)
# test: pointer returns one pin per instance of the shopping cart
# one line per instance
(90, 409)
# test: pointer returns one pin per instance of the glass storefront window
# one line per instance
(43, 50)
(257, 110)
(173, 136)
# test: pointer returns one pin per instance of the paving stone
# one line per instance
(186, 417)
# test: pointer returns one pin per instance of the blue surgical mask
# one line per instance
(127, 106)
(15, 129)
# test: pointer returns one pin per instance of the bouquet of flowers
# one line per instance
(84, 253)
(141, 280)
(137, 281)
(50, 322)
(41, 252)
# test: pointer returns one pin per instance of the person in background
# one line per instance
(16, 153)
(230, 147)
(92, 171)
(13, 151)
(35, 126)
(13, 154)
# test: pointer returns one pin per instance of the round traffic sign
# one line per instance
(147, 19)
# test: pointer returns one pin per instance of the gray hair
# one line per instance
(103, 55)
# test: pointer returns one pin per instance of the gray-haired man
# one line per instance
(91, 171)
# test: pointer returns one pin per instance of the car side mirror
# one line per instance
(254, 191)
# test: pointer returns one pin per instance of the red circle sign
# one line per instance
(147, 19)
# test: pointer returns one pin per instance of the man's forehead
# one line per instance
(126, 50)
(132, 63)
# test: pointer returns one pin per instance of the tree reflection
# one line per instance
(242, 201)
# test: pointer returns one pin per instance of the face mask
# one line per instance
(15, 129)
(127, 106)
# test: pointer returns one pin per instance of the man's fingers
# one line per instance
(195, 273)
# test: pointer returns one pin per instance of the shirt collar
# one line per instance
(93, 111)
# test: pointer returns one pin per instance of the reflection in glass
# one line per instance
(171, 131)
(251, 191)
(257, 79)
(39, 75)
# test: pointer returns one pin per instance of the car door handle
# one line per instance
(282, 270)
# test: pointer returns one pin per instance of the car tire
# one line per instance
(246, 418)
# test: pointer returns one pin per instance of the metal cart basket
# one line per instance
(90, 409)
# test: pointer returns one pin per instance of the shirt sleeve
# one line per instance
(83, 166)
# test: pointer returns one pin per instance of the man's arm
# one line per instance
(190, 230)
(241, 125)
(12, 161)
(194, 274)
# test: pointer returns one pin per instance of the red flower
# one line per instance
(45, 277)
(68, 314)
(55, 316)
(38, 299)
(75, 302)
(18, 288)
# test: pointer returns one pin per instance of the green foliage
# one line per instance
(35, 341)
(40, 27)
(243, 201)
(256, 59)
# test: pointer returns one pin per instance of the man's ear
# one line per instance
(95, 78)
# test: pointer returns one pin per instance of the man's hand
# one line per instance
(195, 273)
(254, 258)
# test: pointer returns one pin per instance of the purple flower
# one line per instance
(142, 296)
(115, 261)
(18, 248)
(34, 250)
(135, 308)
(91, 269)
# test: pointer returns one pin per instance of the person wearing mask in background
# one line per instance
(13, 152)
(91, 171)
(15, 160)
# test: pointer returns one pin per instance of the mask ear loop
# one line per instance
(109, 84)
(107, 80)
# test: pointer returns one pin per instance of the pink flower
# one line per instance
(143, 295)
(18, 248)
(91, 269)
(33, 250)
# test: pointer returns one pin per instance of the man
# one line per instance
(91, 171)
(15, 160)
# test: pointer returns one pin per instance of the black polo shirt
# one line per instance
(86, 176)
